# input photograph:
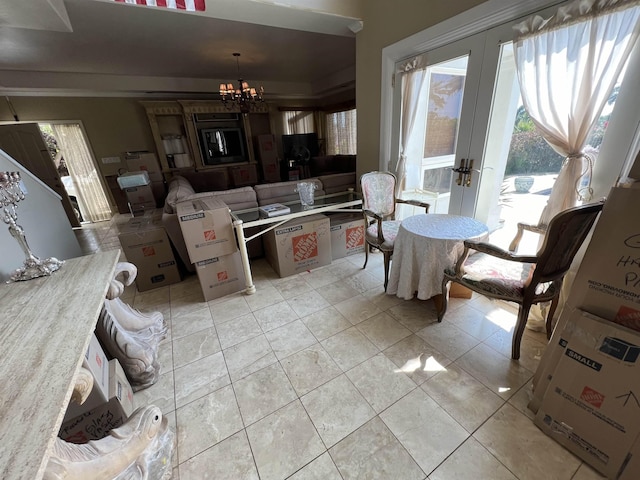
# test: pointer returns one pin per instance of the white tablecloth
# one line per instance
(426, 245)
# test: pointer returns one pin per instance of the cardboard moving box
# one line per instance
(607, 283)
(298, 245)
(592, 403)
(146, 245)
(207, 229)
(221, 276)
(82, 424)
(95, 360)
(94, 424)
(119, 386)
(347, 235)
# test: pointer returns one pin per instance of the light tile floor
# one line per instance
(324, 376)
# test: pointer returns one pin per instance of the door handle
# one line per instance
(464, 172)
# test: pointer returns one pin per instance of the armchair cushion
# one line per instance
(498, 276)
(389, 232)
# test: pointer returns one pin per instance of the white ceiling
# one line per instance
(100, 47)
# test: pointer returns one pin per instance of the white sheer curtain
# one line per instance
(567, 66)
(413, 80)
(91, 197)
(299, 121)
(341, 130)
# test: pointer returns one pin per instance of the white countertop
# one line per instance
(45, 328)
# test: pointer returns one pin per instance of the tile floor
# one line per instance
(324, 376)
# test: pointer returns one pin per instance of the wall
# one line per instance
(113, 125)
(45, 223)
(386, 23)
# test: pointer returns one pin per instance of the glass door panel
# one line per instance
(442, 127)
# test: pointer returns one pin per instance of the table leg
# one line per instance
(251, 288)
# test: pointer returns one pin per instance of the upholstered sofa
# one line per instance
(180, 189)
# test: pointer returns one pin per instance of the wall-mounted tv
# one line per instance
(222, 145)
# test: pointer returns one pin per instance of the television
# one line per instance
(300, 145)
(222, 145)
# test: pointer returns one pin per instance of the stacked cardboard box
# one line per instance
(137, 187)
(145, 244)
(268, 154)
(299, 244)
(586, 392)
(83, 422)
(208, 234)
(148, 162)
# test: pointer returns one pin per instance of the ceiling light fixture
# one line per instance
(243, 96)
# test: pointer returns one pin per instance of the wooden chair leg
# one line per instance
(366, 254)
(523, 315)
(387, 261)
(552, 311)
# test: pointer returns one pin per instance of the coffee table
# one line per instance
(245, 219)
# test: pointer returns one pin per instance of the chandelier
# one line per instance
(243, 96)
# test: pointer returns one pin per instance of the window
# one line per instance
(341, 133)
(298, 121)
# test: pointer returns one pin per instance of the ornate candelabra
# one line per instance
(10, 195)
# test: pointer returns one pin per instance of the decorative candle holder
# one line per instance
(10, 195)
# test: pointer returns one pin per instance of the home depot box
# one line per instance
(347, 235)
(298, 245)
(146, 245)
(607, 282)
(221, 276)
(243, 175)
(268, 154)
(206, 228)
(592, 404)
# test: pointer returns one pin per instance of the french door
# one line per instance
(457, 153)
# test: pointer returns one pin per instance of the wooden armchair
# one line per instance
(524, 279)
(379, 208)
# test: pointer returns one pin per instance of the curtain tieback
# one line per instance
(586, 193)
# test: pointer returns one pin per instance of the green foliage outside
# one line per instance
(530, 154)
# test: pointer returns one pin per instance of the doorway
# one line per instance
(489, 133)
(74, 162)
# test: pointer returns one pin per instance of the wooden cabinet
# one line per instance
(168, 123)
(184, 121)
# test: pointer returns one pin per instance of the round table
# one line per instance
(427, 244)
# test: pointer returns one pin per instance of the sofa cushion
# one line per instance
(238, 198)
(179, 190)
(338, 182)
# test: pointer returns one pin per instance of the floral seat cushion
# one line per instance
(500, 277)
(389, 231)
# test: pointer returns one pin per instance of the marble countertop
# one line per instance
(45, 328)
